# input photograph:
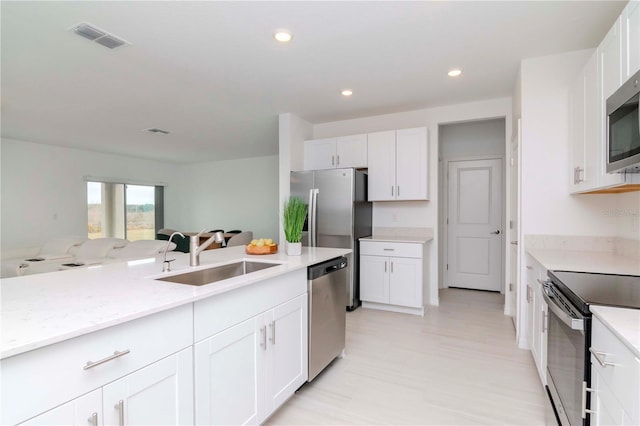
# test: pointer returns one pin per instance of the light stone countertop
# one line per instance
(624, 323)
(40, 310)
(604, 262)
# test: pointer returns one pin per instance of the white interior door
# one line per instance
(475, 224)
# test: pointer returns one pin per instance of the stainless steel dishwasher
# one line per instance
(327, 313)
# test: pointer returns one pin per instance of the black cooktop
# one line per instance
(584, 289)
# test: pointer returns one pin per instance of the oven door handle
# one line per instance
(563, 315)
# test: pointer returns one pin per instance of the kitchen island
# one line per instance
(58, 328)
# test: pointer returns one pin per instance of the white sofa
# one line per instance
(74, 254)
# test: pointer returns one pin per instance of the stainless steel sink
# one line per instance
(218, 273)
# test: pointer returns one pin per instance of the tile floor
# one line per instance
(457, 365)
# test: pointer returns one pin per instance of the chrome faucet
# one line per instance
(195, 249)
(166, 265)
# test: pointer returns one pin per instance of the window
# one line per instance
(121, 210)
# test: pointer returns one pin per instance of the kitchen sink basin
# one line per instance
(218, 273)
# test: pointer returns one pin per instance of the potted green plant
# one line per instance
(293, 216)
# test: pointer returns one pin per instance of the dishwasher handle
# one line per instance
(328, 267)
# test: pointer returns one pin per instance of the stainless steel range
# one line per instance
(569, 295)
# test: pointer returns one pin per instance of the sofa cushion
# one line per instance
(93, 251)
(141, 248)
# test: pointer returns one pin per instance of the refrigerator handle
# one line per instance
(313, 241)
(313, 217)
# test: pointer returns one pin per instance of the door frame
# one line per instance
(445, 204)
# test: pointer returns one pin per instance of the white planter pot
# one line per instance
(294, 249)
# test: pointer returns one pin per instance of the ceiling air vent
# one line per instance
(154, 130)
(99, 36)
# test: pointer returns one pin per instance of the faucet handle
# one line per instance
(201, 232)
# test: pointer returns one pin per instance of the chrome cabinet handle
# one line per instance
(333, 160)
(529, 267)
(385, 266)
(272, 326)
(597, 355)
(93, 419)
(116, 354)
(391, 266)
(576, 175)
(544, 322)
(496, 232)
(392, 190)
(398, 191)
(585, 410)
(514, 243)
(337, 160)
(388, 249)
(120, 408)
(263, 338)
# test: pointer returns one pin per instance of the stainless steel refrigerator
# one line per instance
(339, 214)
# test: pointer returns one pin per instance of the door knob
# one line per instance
(496, 232)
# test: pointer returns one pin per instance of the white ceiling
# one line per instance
(212, 75)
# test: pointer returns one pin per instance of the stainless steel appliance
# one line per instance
(623, 128)
(339, 214)
(327, 316)
(569, 295)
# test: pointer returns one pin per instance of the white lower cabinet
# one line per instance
(392, 276)
(84, 410)
(537, 316)
(159, 394)
(244, 373)
(615, 378)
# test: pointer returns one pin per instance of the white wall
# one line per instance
(233, 194)
(472, 139)
(417, 213)
(547, 206)
(44, 193)
(627, 215)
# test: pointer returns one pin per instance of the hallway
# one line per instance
(459, 364)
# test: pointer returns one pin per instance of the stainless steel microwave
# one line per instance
(623, 128)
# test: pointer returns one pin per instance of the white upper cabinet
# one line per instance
(585, 129)
(331, 153)
(617, 57)
(630, 39)
(398, 165)
(610, 53)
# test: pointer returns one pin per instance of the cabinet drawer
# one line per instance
(379, 248)
(220, 312)
(36, 381)
(623, 377)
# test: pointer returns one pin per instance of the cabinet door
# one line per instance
(576, 132)
(161, 393)
(606, 408)
(351, 151)
(611, 61)
(631, 39)
(374, 279)
(405, 282)
(381, 159)
(593, 119)
(286, 351)
(82, 411)
(229, 375)
(320, 154)
(411, 164)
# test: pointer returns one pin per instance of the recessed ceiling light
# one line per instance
(283, 36)
(347, 92)
(454, 72)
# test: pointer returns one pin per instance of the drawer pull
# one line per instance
(116, 354)
(388, 249)
(120, 408)
(597, 355)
